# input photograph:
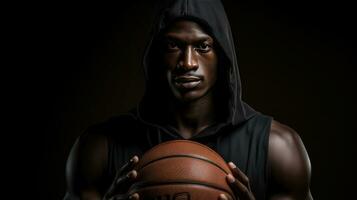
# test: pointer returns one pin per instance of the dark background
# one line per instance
(79, 64)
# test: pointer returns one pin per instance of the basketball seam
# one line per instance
(187, 156)
(190, 141)
(141, 185)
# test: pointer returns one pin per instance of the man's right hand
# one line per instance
(123, 179)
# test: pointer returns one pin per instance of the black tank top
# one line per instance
(246, 145)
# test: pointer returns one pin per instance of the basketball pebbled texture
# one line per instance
(181, 169)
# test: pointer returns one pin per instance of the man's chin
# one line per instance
(188, 96)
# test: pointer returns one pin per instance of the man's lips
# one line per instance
(187, 82)
(186, 78)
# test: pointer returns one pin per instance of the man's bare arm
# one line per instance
(289, 164)
(85, 168)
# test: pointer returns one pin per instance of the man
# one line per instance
(193, 92)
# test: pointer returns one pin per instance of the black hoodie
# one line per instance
(242, 137)
(211, 16)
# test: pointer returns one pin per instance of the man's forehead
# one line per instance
(185, 28)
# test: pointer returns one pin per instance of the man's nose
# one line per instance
(189, 59)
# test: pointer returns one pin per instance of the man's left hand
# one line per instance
(239, 183)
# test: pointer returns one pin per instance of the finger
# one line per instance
(120, 183)
(125, 178)
(223, 197)
(126, 167)
(134, 196)
(238, 187)
(129, 165)
(238, 174)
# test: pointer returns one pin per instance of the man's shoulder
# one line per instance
(288, 160)
(283, 140)
(88, 158)
(282, 132)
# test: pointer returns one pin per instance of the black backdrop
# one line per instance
(79, 64)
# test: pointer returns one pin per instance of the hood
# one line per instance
(210, 15)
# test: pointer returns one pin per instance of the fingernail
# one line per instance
(134, 159)
(132, 174)
(232, 165)
(223, 197)
(230, 178)
(134, 196)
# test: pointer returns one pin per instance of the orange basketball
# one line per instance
(181, 169)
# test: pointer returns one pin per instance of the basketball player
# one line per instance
(193, 92)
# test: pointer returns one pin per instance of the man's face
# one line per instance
(190, 60)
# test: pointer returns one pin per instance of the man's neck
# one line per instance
(192, 117)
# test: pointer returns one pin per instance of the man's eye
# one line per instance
(172, 45)
(204, 47)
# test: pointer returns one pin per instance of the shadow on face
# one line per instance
(190, 61)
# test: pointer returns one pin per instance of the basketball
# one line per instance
(179, 170)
